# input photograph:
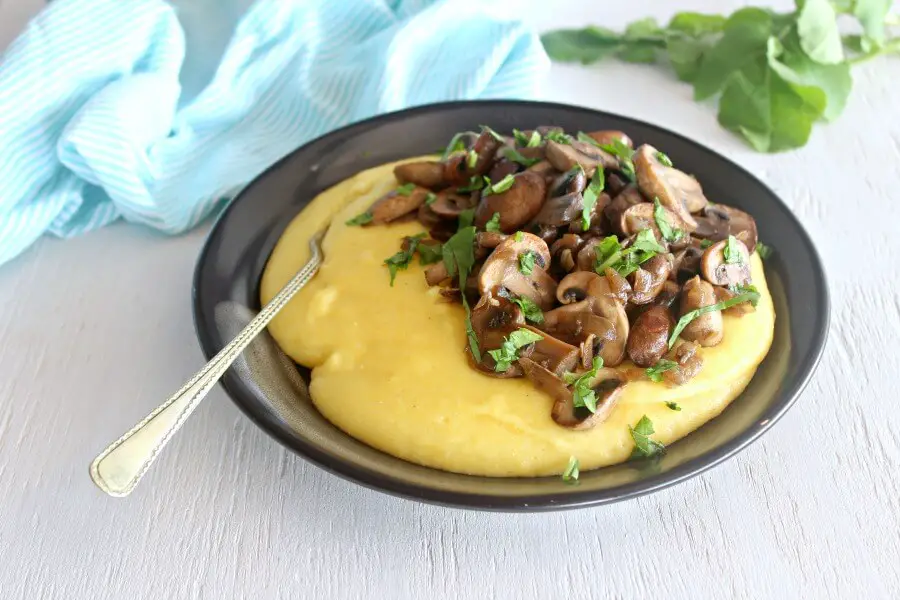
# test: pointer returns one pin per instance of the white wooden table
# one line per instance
(97, 330)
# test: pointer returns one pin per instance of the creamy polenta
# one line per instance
(389, 367)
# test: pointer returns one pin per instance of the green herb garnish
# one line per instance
(764, 250)
(493, 224)
(430, 197)
(644, 447)
(582, 394)
(406, 189)
(664, 159)
(530, 310)
(626, 261)
(526, 262)
(400, 261)
(775, 73)
(655, 372)
(471, 159)
(430, 253)
(624, 153)
(517, 157)
(559, 136)
(501, 186)
(732, 254)
(673, 406)
(743, 289)
(570, 475)
(704, 244)
(519, 236)
(459, 256)
(669, 233)
(589, 198)
(456, 145)
(466, 218)
(749, 296)
(476, 182)
(508, 353)
(360, 219)
(493, 133)
(527, 141)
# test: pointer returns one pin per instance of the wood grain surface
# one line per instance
(97, 330)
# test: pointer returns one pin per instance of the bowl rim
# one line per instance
(573, 498)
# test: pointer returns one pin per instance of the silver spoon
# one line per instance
(119, 468)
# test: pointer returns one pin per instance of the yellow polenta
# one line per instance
(388, 365)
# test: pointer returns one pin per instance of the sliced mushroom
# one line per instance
(718, 221)
(687, 355)
(609, 136)
(615, 183)
(649, 337)
(517, 205)
(489, 239)
(668, 294)
(617, 286)
(502, 168)
(450, 204)
(436, 273)
(553, 354)
(641, 216)
(607, 384)
(502, 269)
(456, 169)
(675, 189)
(577, 324)
(687, 264)
(575, 287)
(612, 351)
(485, 147)
(566, 156)
(587, 255)
(707, 329)
(738, 310)
(650, 277)
(628, 197)
(394, 205)
(572, 181)
(426, 173)
(564, 251)
(719, 272)
(544, 169)
(560, 210)
(493, 319)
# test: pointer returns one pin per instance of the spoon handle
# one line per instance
(119, 468)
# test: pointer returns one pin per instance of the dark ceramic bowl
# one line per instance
(272, 390)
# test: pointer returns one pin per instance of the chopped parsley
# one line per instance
(456, 145)
(400, 261)
(471, 159)
(517, 157)
(673, 406)
(430, 197)
(360, 219)
(624, 153)
(519, 236)
(582, 394)
(501, 186)
(530, 310)
(741, 289)
(669, 233)
(466, 218)
(527, 141)
(476, 182)
(493, 133)
(610, 253)
(493, 224)
(526, 262)
(731, 252)
(570, 475)
(764, 250)
(704, 244)
(655, 372)
(509, 351)
(664, 159)
(644, 447)
(583, 137)
(749, 296)
(589, 198)
(430, 253)
(559, 136)
(406, 189)
(459, 256)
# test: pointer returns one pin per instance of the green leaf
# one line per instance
(731, 253)
(638, 53)
(471, 159)
(644, 29)
(655, 372)
(764, 250)
(669, 233)
(871, 15)
(819, 34)
(517, 157)
(526, 262)
(494, 134)
(644, 447)
(459, 256)
(530, 310)
(430, 197)
(685, 56)
(493, 224)
(590, 196)
(400, 261)
(501, 186)
(456, 145)
(476, 182)
(583, 396)
(673, 406)
(406, 189)
(746, 34)
(430, 253)
(508, 351)
(466, 218)
(750, 296)
(519, 236)
(795, 67)
(570, 475)
(581, 45)
(360, 219)
(695, 24)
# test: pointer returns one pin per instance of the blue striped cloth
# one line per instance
(106, 112)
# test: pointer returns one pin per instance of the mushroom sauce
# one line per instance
(575, 275)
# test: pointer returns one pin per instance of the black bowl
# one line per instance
(272, 390)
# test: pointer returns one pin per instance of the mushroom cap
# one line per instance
(493, 319)
(718, 221)
(489, 239)
(553, 354)
(675, 189)
(628, 197)
(565, 156)
(450, 203)
(708, 328)
(607, 385)
(640, 216)
(686, 263)
(689, 363)
(649, 337)
(608, 136)
(436, 273)
(576, 286)
(718, 272)
(578, 324)
(560, 210)
(394, 205)
(738, 310)
(426, 173)
(650, 277)
(570, 182)
(502, 168)
(517, 205)
(502, 269)
(612, 350)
